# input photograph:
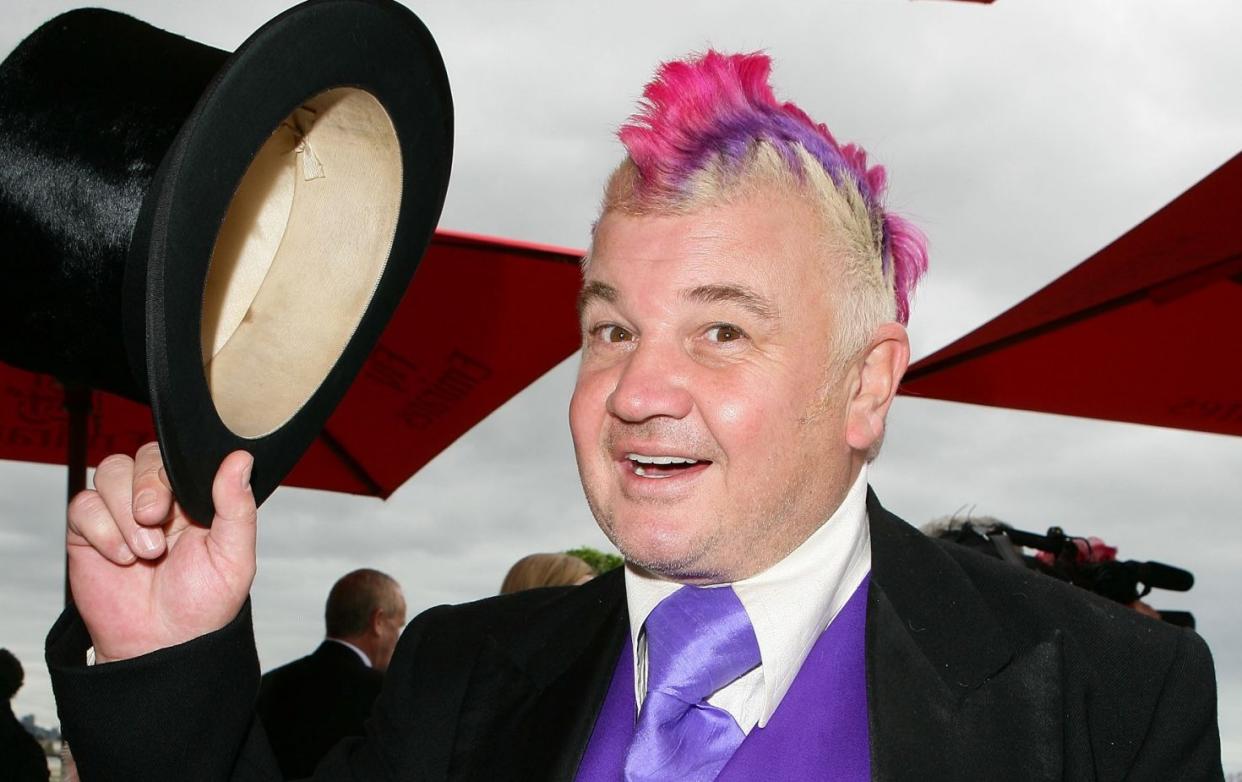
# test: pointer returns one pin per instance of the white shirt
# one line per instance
(365, 657)
(790, 605)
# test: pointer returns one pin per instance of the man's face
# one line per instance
(709, 432)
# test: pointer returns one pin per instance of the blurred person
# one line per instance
(546, 570)
(21, 757)
(743, 317)
(309, 705)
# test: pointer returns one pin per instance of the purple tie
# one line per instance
(698, 641)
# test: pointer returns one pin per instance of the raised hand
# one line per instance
(144, 576)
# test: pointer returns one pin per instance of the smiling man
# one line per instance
(743, 310)
(708, 385)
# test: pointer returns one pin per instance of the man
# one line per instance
(310, 704)
(21, 757)
(742, 310)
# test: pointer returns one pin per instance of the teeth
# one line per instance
(641, 459)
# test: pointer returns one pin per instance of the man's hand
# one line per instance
(144, 576)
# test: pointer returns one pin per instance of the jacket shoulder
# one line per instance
(1028, 607)
(444, 640)
(455, 664)
(1137, 696)
(1145, 689)
(1031, 604)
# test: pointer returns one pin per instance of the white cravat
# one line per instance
(790, 604)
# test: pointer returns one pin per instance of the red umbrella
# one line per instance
(1146, 330)
(483, 319)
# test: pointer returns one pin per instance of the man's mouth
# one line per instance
(664, 466)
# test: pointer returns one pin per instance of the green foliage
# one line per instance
(600, 560)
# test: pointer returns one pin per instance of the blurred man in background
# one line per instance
(21, 757)
(311, 704)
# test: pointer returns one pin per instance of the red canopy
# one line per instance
(1147, 330)
(482, 320)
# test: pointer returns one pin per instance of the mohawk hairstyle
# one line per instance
(712, 111)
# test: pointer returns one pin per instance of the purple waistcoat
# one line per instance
(818, 732)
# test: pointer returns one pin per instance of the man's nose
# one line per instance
(654, 382)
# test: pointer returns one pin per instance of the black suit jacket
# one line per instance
(310, 704)
(977, 670)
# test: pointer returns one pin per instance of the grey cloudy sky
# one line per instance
(1022, 136)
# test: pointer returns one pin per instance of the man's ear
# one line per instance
(376, 625)
(880, 369)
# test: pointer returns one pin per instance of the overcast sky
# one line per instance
(1021, 136)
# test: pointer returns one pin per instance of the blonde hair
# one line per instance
(545, 570)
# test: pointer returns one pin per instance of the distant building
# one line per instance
(40, 733)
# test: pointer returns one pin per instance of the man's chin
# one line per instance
(663, 541)
(683, 571)
(675, 560)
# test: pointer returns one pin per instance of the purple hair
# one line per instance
(716, 107)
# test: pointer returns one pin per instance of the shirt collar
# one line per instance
(365, 657)
(789, 604)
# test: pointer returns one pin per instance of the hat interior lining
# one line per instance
(298, 258)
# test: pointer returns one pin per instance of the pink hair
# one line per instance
(716, 107)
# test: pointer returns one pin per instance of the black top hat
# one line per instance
(222, 236)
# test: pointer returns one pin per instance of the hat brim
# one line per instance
(373, 45)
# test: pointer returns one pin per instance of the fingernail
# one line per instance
(147, 539)
(245, 476)
(144, 500)
(125, 555)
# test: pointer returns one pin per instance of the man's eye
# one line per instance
(723, 332)
(613, 333)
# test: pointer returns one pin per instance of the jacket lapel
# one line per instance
(948, 697)
(537, 689)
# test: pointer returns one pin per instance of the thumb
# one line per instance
(233, 528)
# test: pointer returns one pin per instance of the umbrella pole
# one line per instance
(78, 406)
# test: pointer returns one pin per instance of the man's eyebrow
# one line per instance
(748, 299)
(595, 290)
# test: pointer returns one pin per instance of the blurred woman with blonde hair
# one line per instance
(546, 570)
